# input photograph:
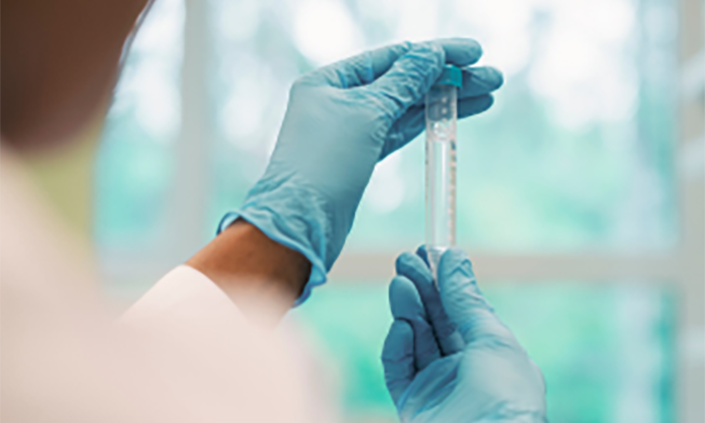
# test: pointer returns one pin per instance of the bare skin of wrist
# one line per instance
(261, 276)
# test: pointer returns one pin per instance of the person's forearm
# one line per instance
(258, 274)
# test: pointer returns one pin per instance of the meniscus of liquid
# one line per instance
(441, 118)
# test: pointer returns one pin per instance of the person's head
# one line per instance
(59, 64)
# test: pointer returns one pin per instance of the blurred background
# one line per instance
(580, 193)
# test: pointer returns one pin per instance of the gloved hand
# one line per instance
(448, 357)
(340, 121)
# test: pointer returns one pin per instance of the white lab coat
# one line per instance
(182, 353)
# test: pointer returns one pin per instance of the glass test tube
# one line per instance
(441, 117)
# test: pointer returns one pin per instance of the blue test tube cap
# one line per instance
(451, 75)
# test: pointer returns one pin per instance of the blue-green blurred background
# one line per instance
(578, 157)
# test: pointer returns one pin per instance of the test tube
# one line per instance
(441, 118)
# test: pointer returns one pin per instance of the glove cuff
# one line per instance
(298, 218)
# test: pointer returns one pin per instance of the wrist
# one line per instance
(256, 272)
(300, 218)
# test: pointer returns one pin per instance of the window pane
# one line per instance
(604, 349)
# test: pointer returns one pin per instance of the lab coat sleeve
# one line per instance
(220, 367)
(183, 294)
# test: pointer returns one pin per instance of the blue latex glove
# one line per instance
(448, 357)
(341, 120)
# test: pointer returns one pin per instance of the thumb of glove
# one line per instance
(465, 305)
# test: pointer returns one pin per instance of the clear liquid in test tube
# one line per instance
(441, 119)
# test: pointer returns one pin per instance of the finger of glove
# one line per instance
(364, 68)
(474, 105)
(408, 80)
(480, 80)
(460, 51)
(398, 358)
(404, 129)
(465, 305)
(406, 304)
(413, 267)
(423, 254)
(361, 69)
(449, 339)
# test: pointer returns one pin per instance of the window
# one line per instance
(582, 230)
